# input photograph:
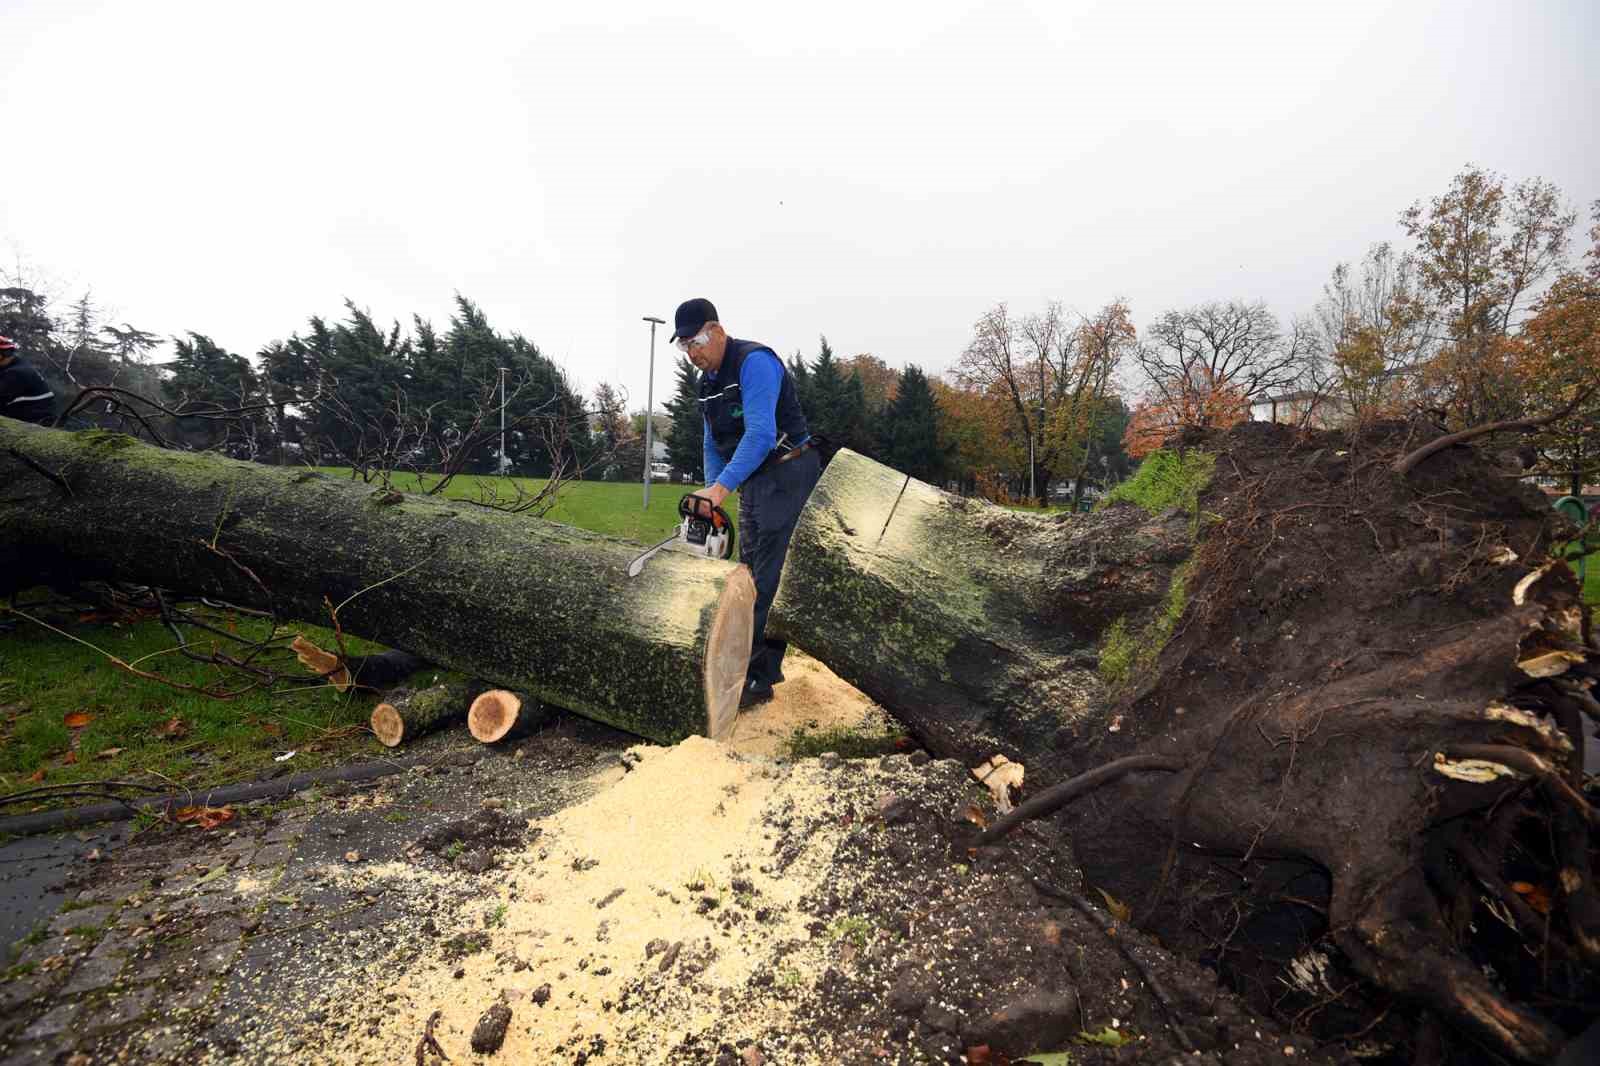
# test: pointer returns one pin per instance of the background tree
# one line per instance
(834, 402)
(1079, 420)
(879, 380)
(1372, 331)
(912, 439)
(1481, 253)
(686, 439)
(1200, 359)
(1560, 355)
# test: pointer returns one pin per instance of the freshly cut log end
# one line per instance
(387, 725)
(493, 714)
(408, 714)
(728, 652)
(322, 663)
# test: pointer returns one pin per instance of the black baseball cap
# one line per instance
(692, 314)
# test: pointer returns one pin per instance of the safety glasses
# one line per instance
(699, 340)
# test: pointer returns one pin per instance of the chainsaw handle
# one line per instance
(692, 505)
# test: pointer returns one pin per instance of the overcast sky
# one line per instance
(881, 173)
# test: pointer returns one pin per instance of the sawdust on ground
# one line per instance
(812, 699)
(642, 909)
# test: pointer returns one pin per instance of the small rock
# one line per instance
(1038, 1019)
(541, 995)
(919, 758)
(669, 957)
(336, 832)
(828, 760)
(476, 861)
(493, 804)
(908, 995)
(654, 948)
(461, 971)
(753, 1057)
(490, 1032)
(893, 809)
(352, 856)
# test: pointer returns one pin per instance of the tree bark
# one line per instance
(529, 604)
(408, 714)
(978, 627)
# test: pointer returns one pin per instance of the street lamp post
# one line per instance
(503, 372)
(649, 408)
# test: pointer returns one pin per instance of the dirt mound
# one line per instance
(1374, 687)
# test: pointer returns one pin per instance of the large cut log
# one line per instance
(528, 604)
(975, 625)
(410, 713)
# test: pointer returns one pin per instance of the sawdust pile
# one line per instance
(812, 699)
(629, 925)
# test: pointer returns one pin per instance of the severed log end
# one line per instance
(728, 652)
(493, 714)
(387, 725)
(322, 663)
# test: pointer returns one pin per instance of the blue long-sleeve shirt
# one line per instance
(760, 379)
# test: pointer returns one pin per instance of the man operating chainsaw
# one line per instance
(758, 444)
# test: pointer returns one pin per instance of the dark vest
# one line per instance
(723, 406)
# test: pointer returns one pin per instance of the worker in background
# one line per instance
(23, 393)
(758, 444)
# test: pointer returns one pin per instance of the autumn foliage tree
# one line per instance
(1483, 251)
(1205, 403)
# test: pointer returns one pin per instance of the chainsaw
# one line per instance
(705, 529)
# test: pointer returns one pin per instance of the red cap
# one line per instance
(7, 344)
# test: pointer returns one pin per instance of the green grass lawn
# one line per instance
(143, 730)
(1591, 583)
(615, 508)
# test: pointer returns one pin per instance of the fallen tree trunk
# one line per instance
(528, 604)
(978, 627)
(1291, 684)
(408, 714)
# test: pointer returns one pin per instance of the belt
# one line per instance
(792, 452)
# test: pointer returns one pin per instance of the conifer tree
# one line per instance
(686, 439)
(911, 430)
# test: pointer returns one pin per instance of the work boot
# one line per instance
(755, 693)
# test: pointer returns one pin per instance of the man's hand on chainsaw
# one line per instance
(714, 492)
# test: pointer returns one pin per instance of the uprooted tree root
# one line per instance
(1371, 799)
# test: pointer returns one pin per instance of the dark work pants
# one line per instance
(769, 506)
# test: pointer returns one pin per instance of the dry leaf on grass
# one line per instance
(77, 719)
(172, 727)
(69, 758)
(37, 775)
(976, 816)
(1003, 779)
(204, 817)
(109, 753)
